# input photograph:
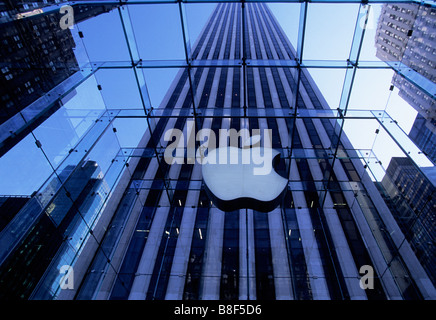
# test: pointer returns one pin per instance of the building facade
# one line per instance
(424, 137)
(406, 33)
(413, 202)
(36, 56)
(160, 236)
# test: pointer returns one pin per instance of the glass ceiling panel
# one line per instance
(158, 81)
(158, 31)
(288, 16)
(330, 82)
(119, 88)
(196, 15)
(104, 38)
(329, 31)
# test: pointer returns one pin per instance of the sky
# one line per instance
(159, 37)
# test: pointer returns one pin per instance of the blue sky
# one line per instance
(158, 37)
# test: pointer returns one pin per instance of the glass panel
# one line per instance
(163, 39)
(130, 131)
(287, 15)
(104, 38)
(119, 88)
(105, 150)
(357, 139)
(330, 82)
(375, 81)
(81, 150)
(159, 81)
(329, 31)
(29, 175)
(197, 15)
(62, 131)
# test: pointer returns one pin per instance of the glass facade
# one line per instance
(89, 111)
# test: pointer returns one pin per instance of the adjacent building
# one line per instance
(423, 136)
(36, 55)
(58, 234)
(413, 203)
(406, 33)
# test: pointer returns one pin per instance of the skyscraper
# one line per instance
(43, 247)
(413, 206)
(406, 33)
(36, 55)
(422, 135)
(163, 237)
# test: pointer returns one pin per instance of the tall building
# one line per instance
(406, 32)
(422, 135)
(413, 200)
(58, 233)
(160, 235)
(9, 207)
(36, 56)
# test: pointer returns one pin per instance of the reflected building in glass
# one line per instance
(43, 248)
(135, 227)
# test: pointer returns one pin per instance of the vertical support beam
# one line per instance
(185, 31)
(299, 60)
(301, 31)
(134, 57)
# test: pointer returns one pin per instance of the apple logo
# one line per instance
(233, 184)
